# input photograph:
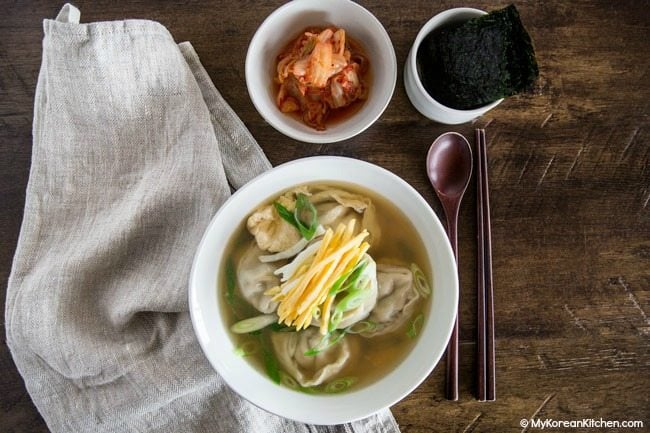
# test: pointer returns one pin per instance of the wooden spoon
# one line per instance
(449, 166)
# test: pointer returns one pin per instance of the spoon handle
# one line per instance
(451, 391)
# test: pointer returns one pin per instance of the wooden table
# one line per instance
(570, 188)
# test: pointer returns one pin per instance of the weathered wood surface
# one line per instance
(570, 190)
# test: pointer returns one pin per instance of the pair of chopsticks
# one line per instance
(485, 382)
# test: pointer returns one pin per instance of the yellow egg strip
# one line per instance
(325, 314)
(326, 268)
(283, 309)
(272, 291)
(345, 266)
(347, 262)
(315, 267)
(290, 311)
(337, 254)
(325, 276)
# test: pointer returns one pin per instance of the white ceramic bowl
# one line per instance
(282, 26)
(256, 387)
(420, 98)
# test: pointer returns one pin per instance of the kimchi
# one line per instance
(320, 72)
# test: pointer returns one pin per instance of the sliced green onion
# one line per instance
(340, 385)
(288, 381)
(231, 278)
(420, 281)
(338, 284)
(253, 323)
(232, 299)
(285, 213)
(308, 390)
(326, 342)
(362, 326)
(279, 327)
(247, 348)
(335, 319)
(316, 313)
(231, 282)
(270, 363)
(304, 205)
(414, 327)
(353, 299)
(350, 278)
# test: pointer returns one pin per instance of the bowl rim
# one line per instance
(342, 412)
(321, 137)
(434, 22)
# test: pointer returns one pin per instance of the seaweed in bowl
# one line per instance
(325, 288)
(467, 65)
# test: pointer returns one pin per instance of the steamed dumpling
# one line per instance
(363, 311)
(290, 348)
(336, 206)
(397, 299)
(254, 278)
(271, 232)
(333, 206)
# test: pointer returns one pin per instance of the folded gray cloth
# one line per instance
(134, 150)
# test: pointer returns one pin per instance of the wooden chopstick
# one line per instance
(480, 272)
(485, 380)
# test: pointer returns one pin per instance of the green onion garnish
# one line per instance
(279, 327)
(340, 385)
(329, 340)
(420, 281)
(247, 348)
(355, 287)
(309, 389)
(236, 304)
(335, 319)
(350, 278)
(231, 281)
(285, 214)
(270, 363)
(253, 323)
(362, 326)
(303, 205)
(414, 327)
(353, 299)
(288, 381)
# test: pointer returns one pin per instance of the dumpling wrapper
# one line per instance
(336, 206)
(254, 278)
(290, 348)
(397, 299)
(271, 232)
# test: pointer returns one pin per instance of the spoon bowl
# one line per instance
(449, 167)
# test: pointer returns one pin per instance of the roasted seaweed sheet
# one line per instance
(478, 62)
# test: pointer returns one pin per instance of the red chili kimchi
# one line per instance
(319, 73)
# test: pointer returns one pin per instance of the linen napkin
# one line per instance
(134, 150)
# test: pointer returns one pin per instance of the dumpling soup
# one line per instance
(326, 287)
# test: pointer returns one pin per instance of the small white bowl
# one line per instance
(212, 332)
(284, 24)
(420, 98)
